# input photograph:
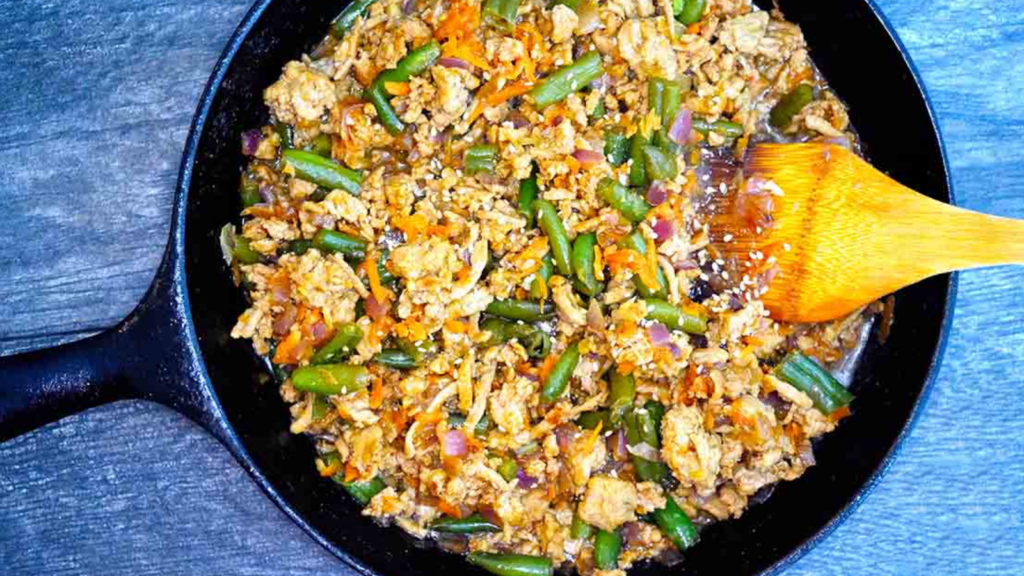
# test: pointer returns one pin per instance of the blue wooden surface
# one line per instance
(96, 101)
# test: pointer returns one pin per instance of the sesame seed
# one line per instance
(727, 238)
(786, 247)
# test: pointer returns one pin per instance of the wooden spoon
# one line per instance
(829, 233)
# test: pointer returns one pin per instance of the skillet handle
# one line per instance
(150, 355)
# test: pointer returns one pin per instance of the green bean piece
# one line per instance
(249, 190)
(598, 112)
(363, 492)
(607, 547)
(655, 96)
(418, 61)
(558, 379)
(508, 469)
(323, 171)
(677, 7)
(661, 141)
(319, 194)
(635, 241)
(616, 147)
(727, 129)
(344, 342)
(567, 80)
(551, 224)
(675, 524)
(657, 411)
(527, 449)
(645, 469)
(286, 134)
(648, 424)
(524, 310)
(480, 158)
(579, 530)
(620, 398)
(528, 192)
(543, 274)
(348, 16)
(810, 378)
(692, 12)
(671, 99)
(331, 379)
(630, 203)
(332, 241)
(659, 166)
(243, 251)
(536, 343)
(590, 420)
(297, 247)
(674, 318)
(321, 145)
(456, 420)
(790, 105)
(420, 351)
(394, 358)
(381, 100)
(472, 524)
(638, 170)
(386, 277)
(501, 14)
(583, 263)
(320, 407)
(512, 564)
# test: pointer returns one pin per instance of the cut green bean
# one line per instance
(674, 318)
(675, 524)
(512, 564)
(558, 238)
(332, 241)
(363, 492)
(348, 17)
(616, 147)
(331, 379)
(790, 105)
(678, 6)
(415, 62)
(249, 190)
(810, 378)
(344, 342)
(671, 98)
(579, 530)
(321, 145)
(590, 420)
(692, 12)
(729, 130)
(620, 398)
(320, 407)
(378, 96)
(501, 14)
(583, 263)
(285, 133)
(630, 203)
(528, 192)
(543, 274)
(323, 171)
(524, 310)
(243, 251)
(658, 164)
(297, 247)
(635, 241)
(472, 524)
(655, 96)
(637, 169)
(420, 351)
(456, 420)
(532, 338)
(480, 158)
(508, 469)
(567, 80)
(638, 431)
(558, 379)
(657, 411)
(607, 547)
(598, 112)
(394, 358)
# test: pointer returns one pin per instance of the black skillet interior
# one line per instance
(865, 67)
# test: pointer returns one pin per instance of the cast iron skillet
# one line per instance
(175, 349)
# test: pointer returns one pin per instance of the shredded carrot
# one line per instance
(589, 445)
(693, 28)
(292, 349)
(412, 225)
(546, 367)
(380, 293)
(626, 367)
(427, 418)
(649, 275)
(598, 263)
(351, 473)
(517, 88)
(839, 414)
(469, 49)
(397, 88)
(376, 393)
(328, 471)
(455, 326)
(543, 287)
(449, 510)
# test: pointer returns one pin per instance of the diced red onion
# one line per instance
(285, 320)
(374, 309)
(657, 193)
(631, 534)
(251, 141)
(408, 7)
(645, 451)
(616, 443)
(454, 444)
(525, 480)
(564, 435)
(676, 352)
(588, 158)
(663, 230)
(319, 332)
(518, 119)
(490, 515)
(681, 127)
(601, 83)
(449, 62)
(267, 194)
(685, 264)
(658, 334)
(437, 136)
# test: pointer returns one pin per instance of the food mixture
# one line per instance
(474, 246)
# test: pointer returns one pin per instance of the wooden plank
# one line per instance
(132, 488)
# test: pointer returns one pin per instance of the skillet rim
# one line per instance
(232, 441)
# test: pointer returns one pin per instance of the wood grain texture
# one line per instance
(97, 100)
